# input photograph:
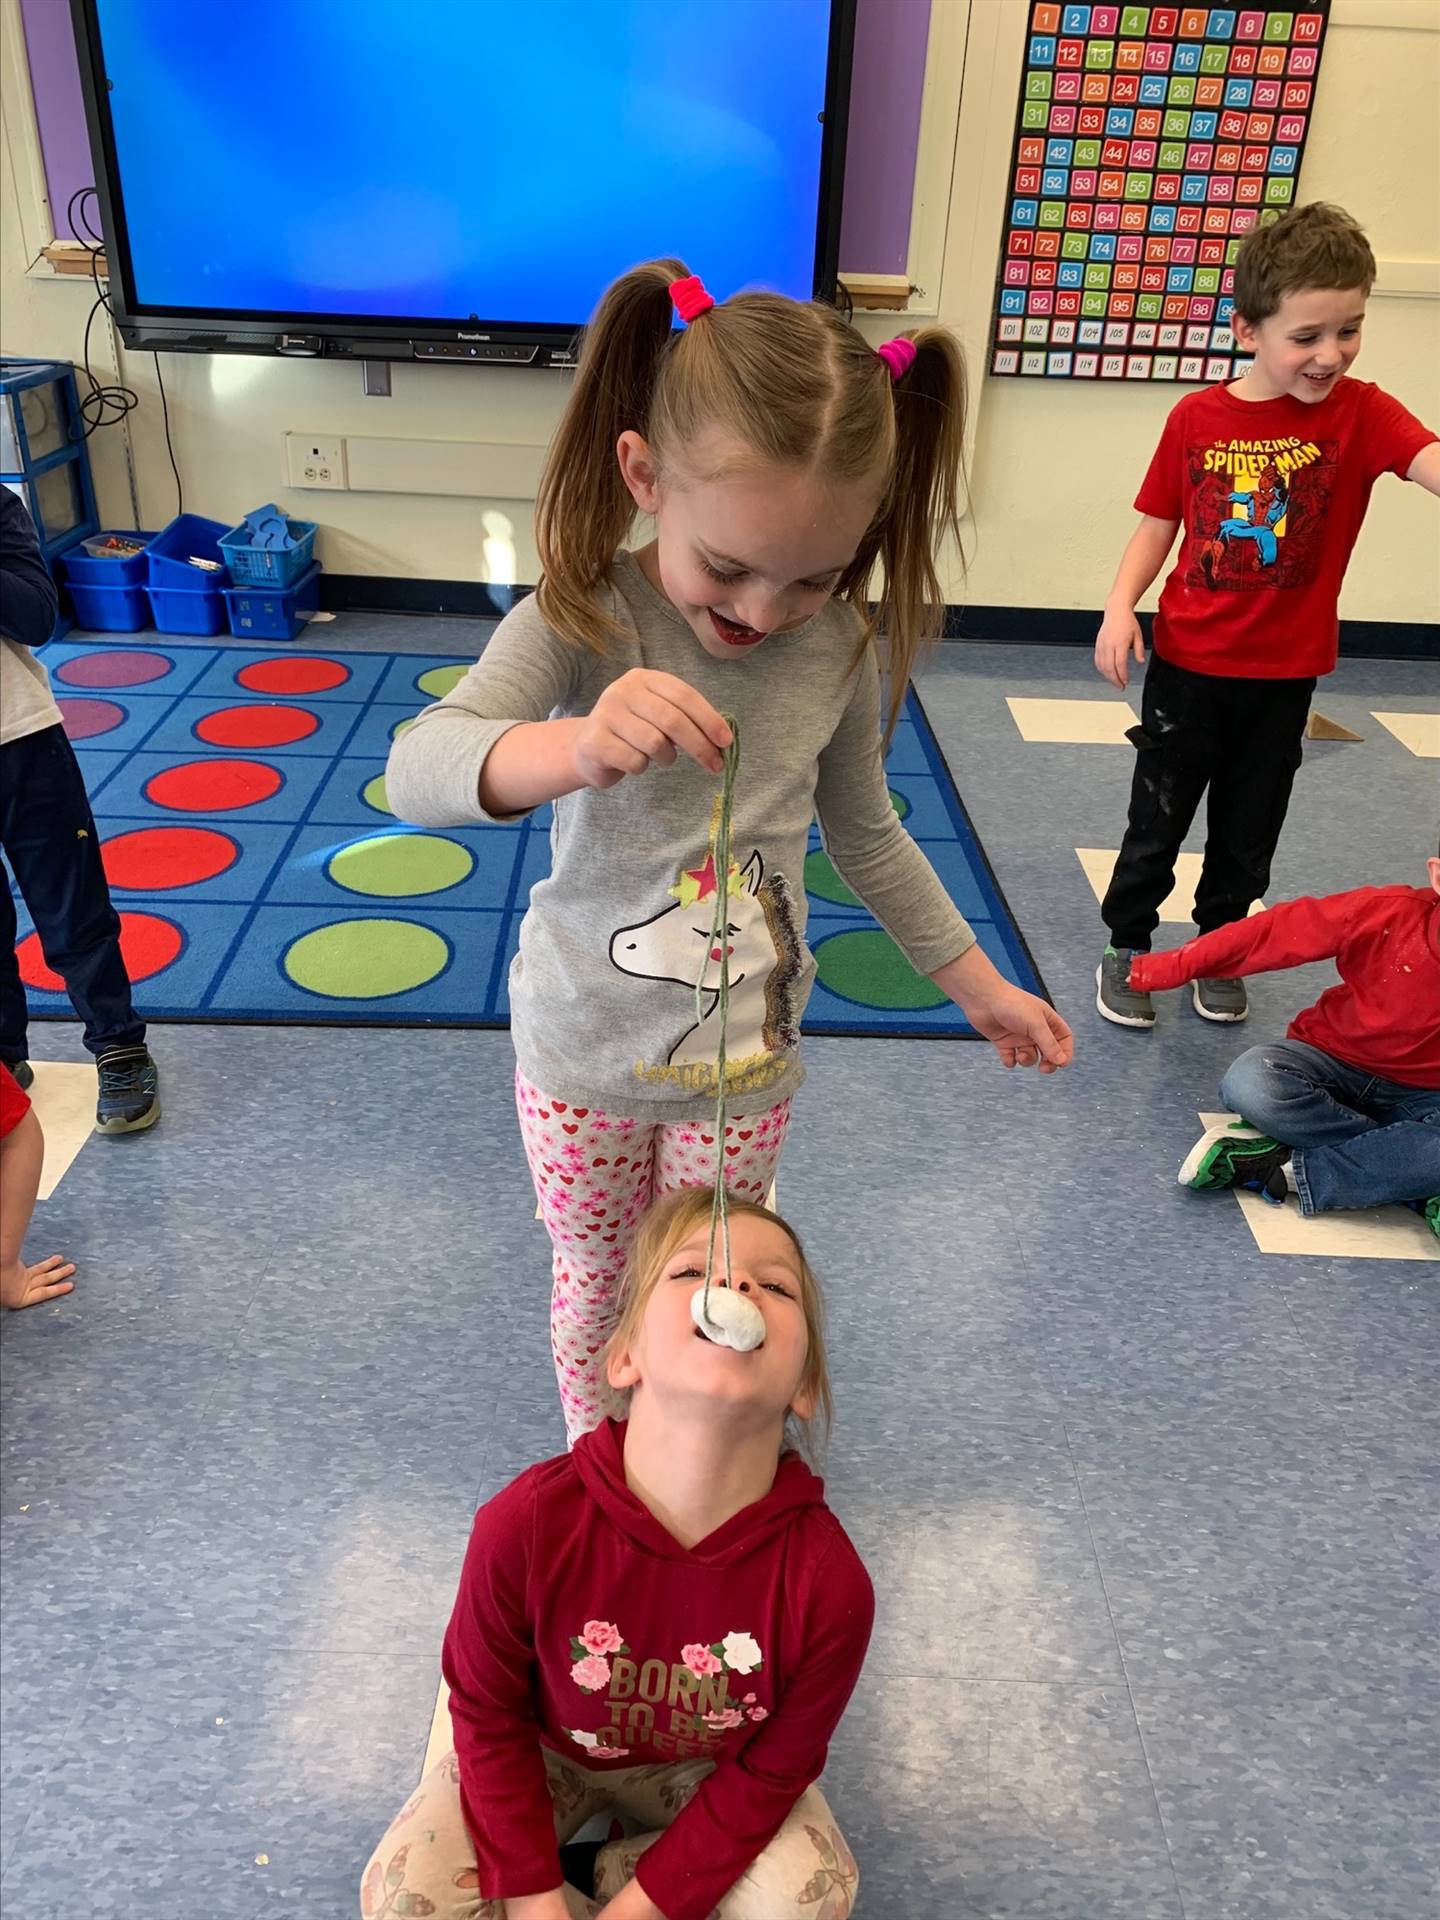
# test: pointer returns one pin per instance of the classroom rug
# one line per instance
(260, 877)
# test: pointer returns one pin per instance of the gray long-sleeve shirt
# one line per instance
(602, 991)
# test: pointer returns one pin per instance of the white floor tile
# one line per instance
(1420, 732)
(64, 1101)
(1178, 908)
(1378, 1233)
(1073, 722)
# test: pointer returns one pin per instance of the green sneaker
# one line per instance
(1236, 1156)
(1432, 1215)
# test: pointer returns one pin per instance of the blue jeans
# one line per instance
(49, 843)
(1358, 1140)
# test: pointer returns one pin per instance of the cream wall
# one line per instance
(1053, 467)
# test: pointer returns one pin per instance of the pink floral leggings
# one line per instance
(595, 1176)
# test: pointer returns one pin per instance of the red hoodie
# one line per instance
(581, 1625)
(1384, 1017)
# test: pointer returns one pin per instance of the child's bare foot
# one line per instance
(22, 1286)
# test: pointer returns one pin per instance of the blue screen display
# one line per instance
(442, 159)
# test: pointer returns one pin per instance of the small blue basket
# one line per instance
(273, 613)
(268, 566)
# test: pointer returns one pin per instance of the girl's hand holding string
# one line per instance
(645, 720)
(642, 720)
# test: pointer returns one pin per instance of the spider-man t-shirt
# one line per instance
(1270, 495)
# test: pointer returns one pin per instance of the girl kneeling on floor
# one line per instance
(664, 1624)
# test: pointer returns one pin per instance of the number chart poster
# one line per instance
(1150, 140)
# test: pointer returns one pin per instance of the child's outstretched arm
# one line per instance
(877, 858)
(1120, 634)
(1290, 935)
(1424, 469)
(1024, 1030)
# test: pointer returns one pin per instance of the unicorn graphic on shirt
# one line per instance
(763, 951)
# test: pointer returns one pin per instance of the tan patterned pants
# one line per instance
(806, 1873)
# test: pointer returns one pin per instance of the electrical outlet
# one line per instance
(314, 460)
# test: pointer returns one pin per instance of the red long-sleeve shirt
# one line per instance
(1384, 1016)
(583, 1626)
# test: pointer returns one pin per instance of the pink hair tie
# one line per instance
(690, 297)
(898, 355)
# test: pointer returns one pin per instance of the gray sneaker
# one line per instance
(1116, 999)
(1223, 1000)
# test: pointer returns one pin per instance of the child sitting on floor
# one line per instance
(1345, 1111)
(22, 1153)
(665, 1623)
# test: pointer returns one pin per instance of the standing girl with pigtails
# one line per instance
(782, 461)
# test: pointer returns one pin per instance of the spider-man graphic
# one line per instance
(1265, 504)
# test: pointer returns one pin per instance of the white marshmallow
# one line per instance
(734, 1321)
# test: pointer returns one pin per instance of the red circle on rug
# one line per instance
(85, 719)
(121, 668)
(148, 945)
(304, 673)
(256, 726)
(213, 786)
(153, 859)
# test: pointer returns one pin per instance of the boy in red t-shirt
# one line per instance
(1345, 1110)
(1269, 479)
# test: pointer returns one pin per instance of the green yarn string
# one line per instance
(720, 851)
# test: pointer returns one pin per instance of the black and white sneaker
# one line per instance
(1115, 998)
(129, 1091)
(1223, 1000)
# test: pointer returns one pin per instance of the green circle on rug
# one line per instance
(439, 680)
(373, 794)
(403, 726)
(397, 865)
(366, 959)
(824, 882)
(867, 967)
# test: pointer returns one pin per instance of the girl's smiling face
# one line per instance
(744, 550)
(669, 1355)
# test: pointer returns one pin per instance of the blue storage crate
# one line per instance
(82, 569)
(268, 566)
(273, 613)
(188, 609)
(110, 609)
(168, 557)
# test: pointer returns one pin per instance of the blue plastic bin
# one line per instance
(268, 566)
(273, 613)
(186, 599)
(108, 595)
(188, 609)
(88, 570)
(168, 557)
